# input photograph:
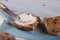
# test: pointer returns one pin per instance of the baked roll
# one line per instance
(52, 25)
(27, 21)
(6, 36)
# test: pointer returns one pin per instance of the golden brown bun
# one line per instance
(6, 36)
(52, 25)
(29, 27)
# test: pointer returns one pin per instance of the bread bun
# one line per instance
(6, 36)
(27, 22)
(52, 25)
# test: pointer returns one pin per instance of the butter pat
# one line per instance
(28, 19)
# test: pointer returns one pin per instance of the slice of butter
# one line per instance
(26, 19)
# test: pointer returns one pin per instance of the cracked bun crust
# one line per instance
(27, 21)
(6, 36)
(53, 25)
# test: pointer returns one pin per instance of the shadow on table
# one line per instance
(42, 28)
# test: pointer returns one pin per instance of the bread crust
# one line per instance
(52, 25)
(30, 26)
(6, 36)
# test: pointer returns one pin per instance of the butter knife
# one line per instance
(9, 12)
